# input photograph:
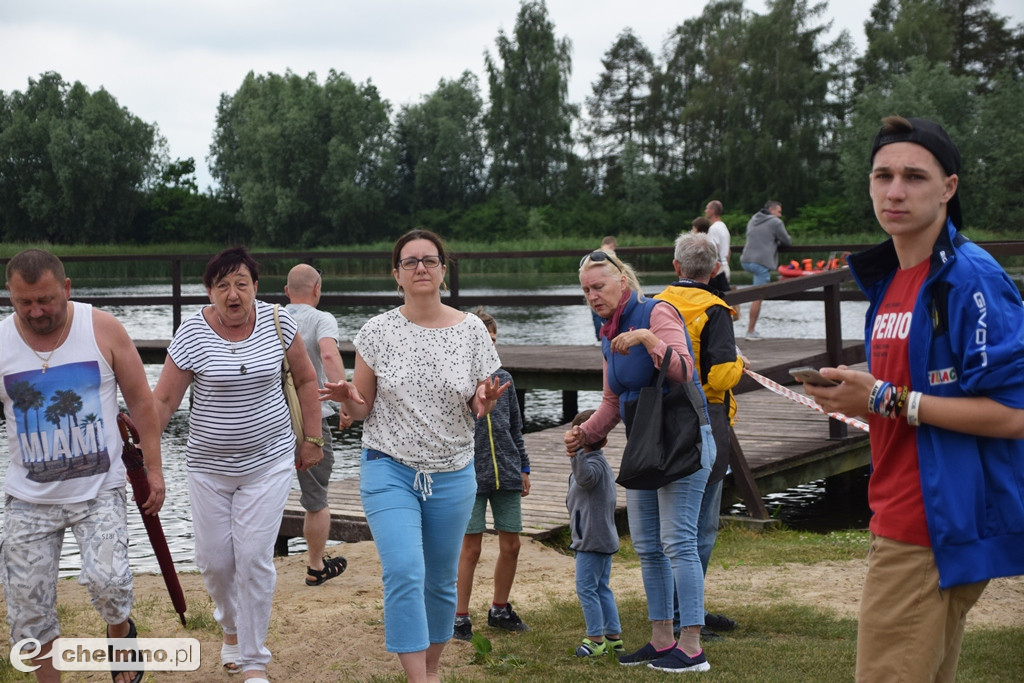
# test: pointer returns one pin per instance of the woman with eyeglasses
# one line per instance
(422, 373)
(662, 522)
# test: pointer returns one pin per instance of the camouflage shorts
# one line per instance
(30, 560)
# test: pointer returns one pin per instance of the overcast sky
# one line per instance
(169, 62)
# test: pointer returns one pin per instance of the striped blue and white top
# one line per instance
(239, 421)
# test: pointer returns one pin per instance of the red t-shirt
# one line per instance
(894, 490)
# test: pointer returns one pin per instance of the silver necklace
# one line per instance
(235, 344)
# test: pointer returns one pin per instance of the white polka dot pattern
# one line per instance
(425, 379)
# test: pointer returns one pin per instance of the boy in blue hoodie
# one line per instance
(503, 478)
(591, 504)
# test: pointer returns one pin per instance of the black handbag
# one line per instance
(663, 434)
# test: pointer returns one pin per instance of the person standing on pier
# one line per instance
(944, 398)
(241, 448)
(319, 332)
(709, 323)
(663, 521)
(719, 233)
(69, 359)
(423, 371)
(765, 234)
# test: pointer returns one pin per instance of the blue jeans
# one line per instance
(593, 570)
(707, 522)
(419, 543)
(663, 527)
(762, 274)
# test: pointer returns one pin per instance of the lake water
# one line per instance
(569, 325)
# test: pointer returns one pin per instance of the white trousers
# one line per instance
(236, 522)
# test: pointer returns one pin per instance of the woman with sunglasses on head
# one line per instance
(662, 522)
(422, 374)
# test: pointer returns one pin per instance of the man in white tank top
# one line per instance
(61, 364)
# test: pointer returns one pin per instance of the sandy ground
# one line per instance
(334, 632)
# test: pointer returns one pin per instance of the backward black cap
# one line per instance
(936, 140)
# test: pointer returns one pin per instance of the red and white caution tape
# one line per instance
(805, 400)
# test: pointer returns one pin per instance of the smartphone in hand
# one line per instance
(811, 376)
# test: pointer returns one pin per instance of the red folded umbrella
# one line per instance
(131, 454)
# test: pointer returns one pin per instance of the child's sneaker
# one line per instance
(614, 646)
(591, 649)
(677, 661)
(505, 618)
(463, 629)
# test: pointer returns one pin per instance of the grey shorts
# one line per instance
(313, 482)
(30, 560)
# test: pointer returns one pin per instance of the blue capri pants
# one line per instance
(418, 521)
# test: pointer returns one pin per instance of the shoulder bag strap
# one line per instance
(280, 337)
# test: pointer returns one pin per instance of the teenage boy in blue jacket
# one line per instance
(945, 402)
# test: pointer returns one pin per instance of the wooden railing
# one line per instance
(804, 288)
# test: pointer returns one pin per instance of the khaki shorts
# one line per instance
(909, 629)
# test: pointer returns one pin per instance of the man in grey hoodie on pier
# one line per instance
(765, 234)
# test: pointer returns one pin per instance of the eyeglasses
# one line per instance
(412, 263)
(598, 256)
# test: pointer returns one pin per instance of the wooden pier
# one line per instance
(779, 443)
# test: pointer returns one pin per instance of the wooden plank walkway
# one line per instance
(784, 443)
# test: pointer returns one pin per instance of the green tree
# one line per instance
(996, 200)
(929, 91)
(530, 119)
(305, 161)
(787, 100)
(175, 211)
(700, 96)
(964, 35)
(620, 106)
(73, 163)
(440, 146)
(640, 206)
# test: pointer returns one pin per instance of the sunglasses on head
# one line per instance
(598, 256)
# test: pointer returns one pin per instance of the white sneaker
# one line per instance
(753, 335)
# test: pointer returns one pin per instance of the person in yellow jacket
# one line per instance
(708, 321)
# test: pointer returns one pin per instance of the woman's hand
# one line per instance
(309, 454)
(341, 391)
(487, 394)
(623, 341)
(573, 440)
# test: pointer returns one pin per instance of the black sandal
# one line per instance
(133, 633)
(333, 566)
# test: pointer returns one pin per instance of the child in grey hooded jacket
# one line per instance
(591, 504)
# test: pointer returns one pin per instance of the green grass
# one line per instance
(773, 643)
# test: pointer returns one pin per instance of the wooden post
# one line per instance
(175, 294)
(744, 480)
(453, 282)
(834, 347)
(570, 405)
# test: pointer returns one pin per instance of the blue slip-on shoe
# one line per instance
(678, 662)
(645, 654)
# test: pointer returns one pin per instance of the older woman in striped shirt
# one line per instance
(241, 449)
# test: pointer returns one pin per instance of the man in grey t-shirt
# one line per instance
(319, 331)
